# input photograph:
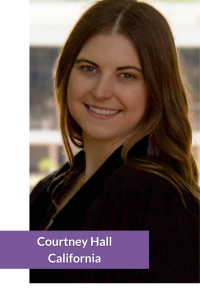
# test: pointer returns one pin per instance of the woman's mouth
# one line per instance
(102, 112)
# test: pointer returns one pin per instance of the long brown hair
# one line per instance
(166, 119)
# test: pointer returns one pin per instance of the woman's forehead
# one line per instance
(112, 48)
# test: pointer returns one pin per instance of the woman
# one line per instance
(120, 97)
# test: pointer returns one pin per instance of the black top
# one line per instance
(119, 197)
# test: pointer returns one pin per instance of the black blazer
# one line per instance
(118, 197)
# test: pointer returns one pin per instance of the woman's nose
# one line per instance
(103, 89)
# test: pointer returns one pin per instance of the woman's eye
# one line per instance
(89, 69)
(127, 76)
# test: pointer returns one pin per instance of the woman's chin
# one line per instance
(98, 135)
(104, 137)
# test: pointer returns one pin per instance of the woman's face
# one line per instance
(106, 91)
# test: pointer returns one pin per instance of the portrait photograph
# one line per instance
(115, 131)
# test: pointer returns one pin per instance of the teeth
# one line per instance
(103, 112)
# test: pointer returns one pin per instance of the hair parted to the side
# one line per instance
(166, 119)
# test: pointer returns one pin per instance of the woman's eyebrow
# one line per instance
(86, 60)
(129, 67)
(118, 69)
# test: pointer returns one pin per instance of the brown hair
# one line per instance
(166, 119)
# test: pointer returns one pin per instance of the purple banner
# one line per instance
(74, 249)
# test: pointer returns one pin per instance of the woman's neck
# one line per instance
(97, 152)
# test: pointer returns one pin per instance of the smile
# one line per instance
(103, 111)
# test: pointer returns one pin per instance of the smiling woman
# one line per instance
(121, 99)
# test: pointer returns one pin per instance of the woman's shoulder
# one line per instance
(58, 174)
(46, 181)
(154, 189)
(135, 199)
(41, 185)
(129, 175)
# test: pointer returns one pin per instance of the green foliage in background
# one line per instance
(47, 165)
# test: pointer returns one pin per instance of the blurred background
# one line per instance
(50, 24)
